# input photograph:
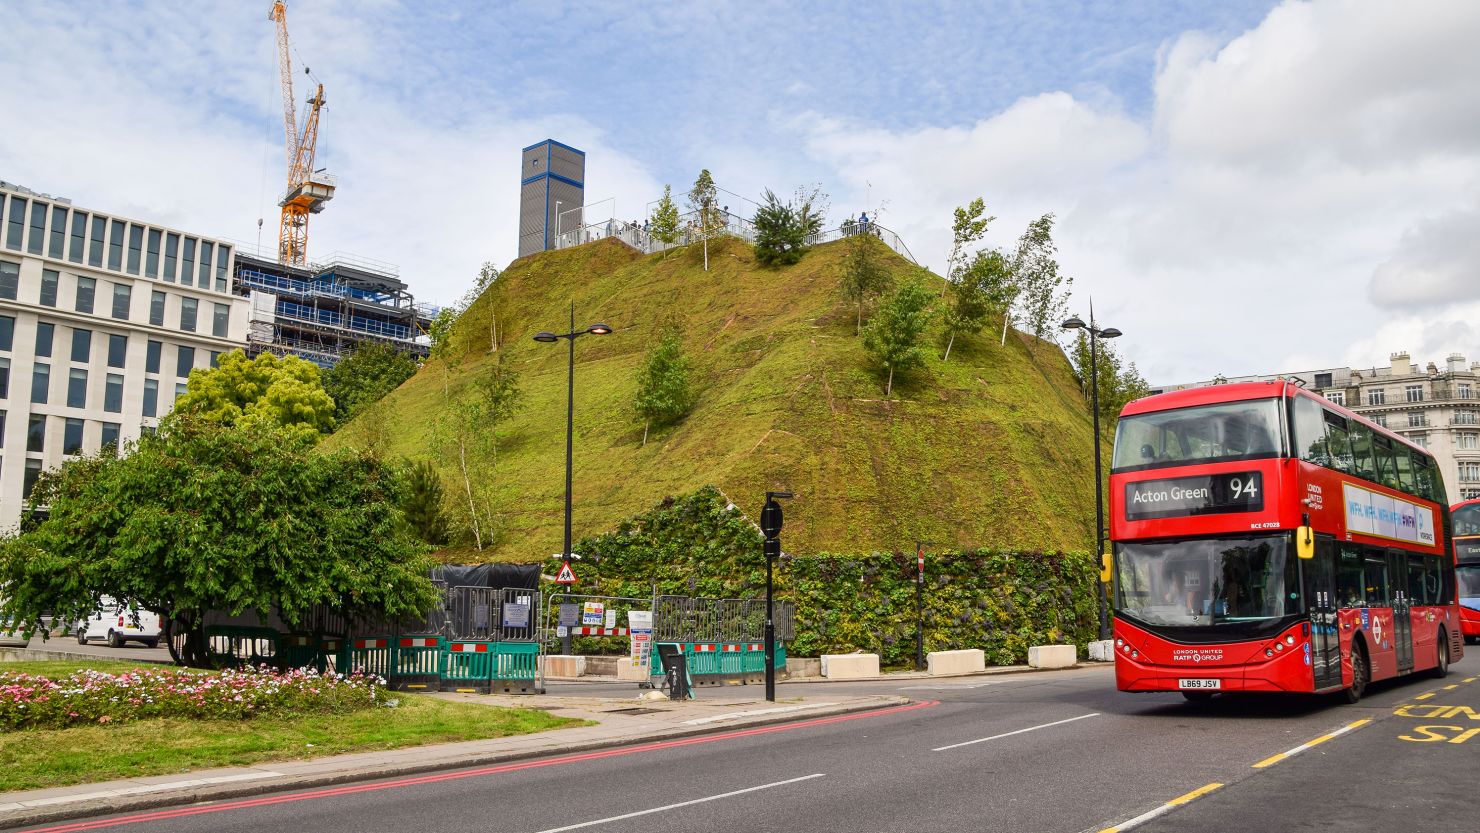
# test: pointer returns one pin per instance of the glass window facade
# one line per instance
(38, 227)
(4, 379)
(86, 289)
(122, 295)
(81, 345)
(151, 357)
(10, 280)
(223, 254)
(15, 223)
(7, 332)
(171, 247)
(115, 246)
(135, 249)
(221, 320)
(117, 349)
(113, 393)
(95, 241)
(110, 437)
(187, 261)
(156, 308)
(36, 434)
(151, 397)
(45, 331)
(184, 361)
(77, 388)
(151, 255)
(33, 474)
(79, 237)
(57, 241)
(50, 280)
(207, 252)
(72, 437)
(187, 314)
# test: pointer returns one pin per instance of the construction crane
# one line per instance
(308, 189)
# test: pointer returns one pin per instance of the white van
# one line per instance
(116, 624)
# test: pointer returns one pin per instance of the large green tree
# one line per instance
(893, 334)
(1119, 382)
(275, 392)
(423, 503)
(466, 431)
(365, 376)
(664, 394)
(208, 517)
(967, 305)
(1041, 292)
(780, 239)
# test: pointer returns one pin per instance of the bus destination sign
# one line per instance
(1202, 495)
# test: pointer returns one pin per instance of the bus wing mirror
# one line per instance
(1107, 567)
(1305, 542)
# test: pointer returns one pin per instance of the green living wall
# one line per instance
(999, 601)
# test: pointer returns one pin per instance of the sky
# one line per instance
(1241, 187)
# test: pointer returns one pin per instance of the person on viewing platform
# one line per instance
(863, 223)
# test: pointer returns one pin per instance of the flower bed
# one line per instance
(93, 697)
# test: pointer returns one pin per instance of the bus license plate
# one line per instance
(1185, 683)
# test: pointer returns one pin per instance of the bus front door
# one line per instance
(1402, 614)
(1320, 599)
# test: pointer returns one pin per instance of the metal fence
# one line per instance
(698, 619)
(495, 614)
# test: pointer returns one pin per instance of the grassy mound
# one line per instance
(989, 450)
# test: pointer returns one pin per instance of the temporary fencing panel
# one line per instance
(517, 664)
(416, 663)
(468, 666)
(236, 646)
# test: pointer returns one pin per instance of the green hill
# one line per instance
(991, 449)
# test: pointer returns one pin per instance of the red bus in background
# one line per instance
(1268, 540)
(1467, 565)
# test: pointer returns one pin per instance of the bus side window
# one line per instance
(1437, 482)
(1349, 589)
(1418, 593)
(1338, 443)
(1362, 462)
(1310, 431)
(1377, 578)
(1387, 463)
(1405, 469)
(1423, 477)
(1433, 573)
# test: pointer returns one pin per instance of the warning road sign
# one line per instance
(567, 575)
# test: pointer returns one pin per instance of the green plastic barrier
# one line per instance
(516, 664)
(302, 650)
(371, 655)
(468, 666)
(416, 663)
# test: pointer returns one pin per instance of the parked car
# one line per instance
(11, 638)
(118, 624)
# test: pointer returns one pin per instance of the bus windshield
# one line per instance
(1467, 520)
(1208, 433)
(1469, 585)
(1208, 581)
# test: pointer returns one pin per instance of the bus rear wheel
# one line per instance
(1359, 676)
(1442, 669)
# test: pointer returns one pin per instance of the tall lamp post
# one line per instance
(570, 421)
(1095, 334)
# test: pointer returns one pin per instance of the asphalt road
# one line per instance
(1037, 752)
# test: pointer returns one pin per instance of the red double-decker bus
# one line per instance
(1467, 565)
(1268, 540)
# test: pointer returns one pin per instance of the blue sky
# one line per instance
(1243, 187)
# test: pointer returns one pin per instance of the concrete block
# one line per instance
(1052, 656)
(564, 666)
(850, 666)
(1102, 651)
(601, 666)
(956, 662)
(803, 667)
(629, 673)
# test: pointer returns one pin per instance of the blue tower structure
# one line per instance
(552, 190)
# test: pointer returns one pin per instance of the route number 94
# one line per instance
(1244, 489)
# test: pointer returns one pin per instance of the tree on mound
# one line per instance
(267, 391)
(893, 334)
(782, 229)
(364, 377)
(664, 395)
(204, 517)
(664, 224)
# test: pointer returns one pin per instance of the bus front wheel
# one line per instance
(1359, 675)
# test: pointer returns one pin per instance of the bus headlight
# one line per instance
(1268, 652)
(1278, 647)
(1290, 639)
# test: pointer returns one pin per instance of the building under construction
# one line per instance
(321, 311)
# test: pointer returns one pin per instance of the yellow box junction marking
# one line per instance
(1424, 696)
(1165, 808)
(1274, 759)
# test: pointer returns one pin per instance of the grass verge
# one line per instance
(33, 759)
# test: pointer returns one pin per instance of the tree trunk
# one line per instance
(493, 333)
(706, 251)
(889, 385)
(644, 432)
(858, 328)
(1004, 329)
(952, 340)
(462, 462)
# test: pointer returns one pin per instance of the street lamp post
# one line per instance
(570, 421)
(1095, 334)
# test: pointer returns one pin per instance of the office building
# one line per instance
(102, 318)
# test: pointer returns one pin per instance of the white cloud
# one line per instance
(1236, 226)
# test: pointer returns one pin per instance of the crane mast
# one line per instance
(307, 190)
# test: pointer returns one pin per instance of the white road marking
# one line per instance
(1163, 809)
(715, 718)
(943, 687)
(1018, 732)
(666, 807)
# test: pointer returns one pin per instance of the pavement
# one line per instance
(617, 721)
